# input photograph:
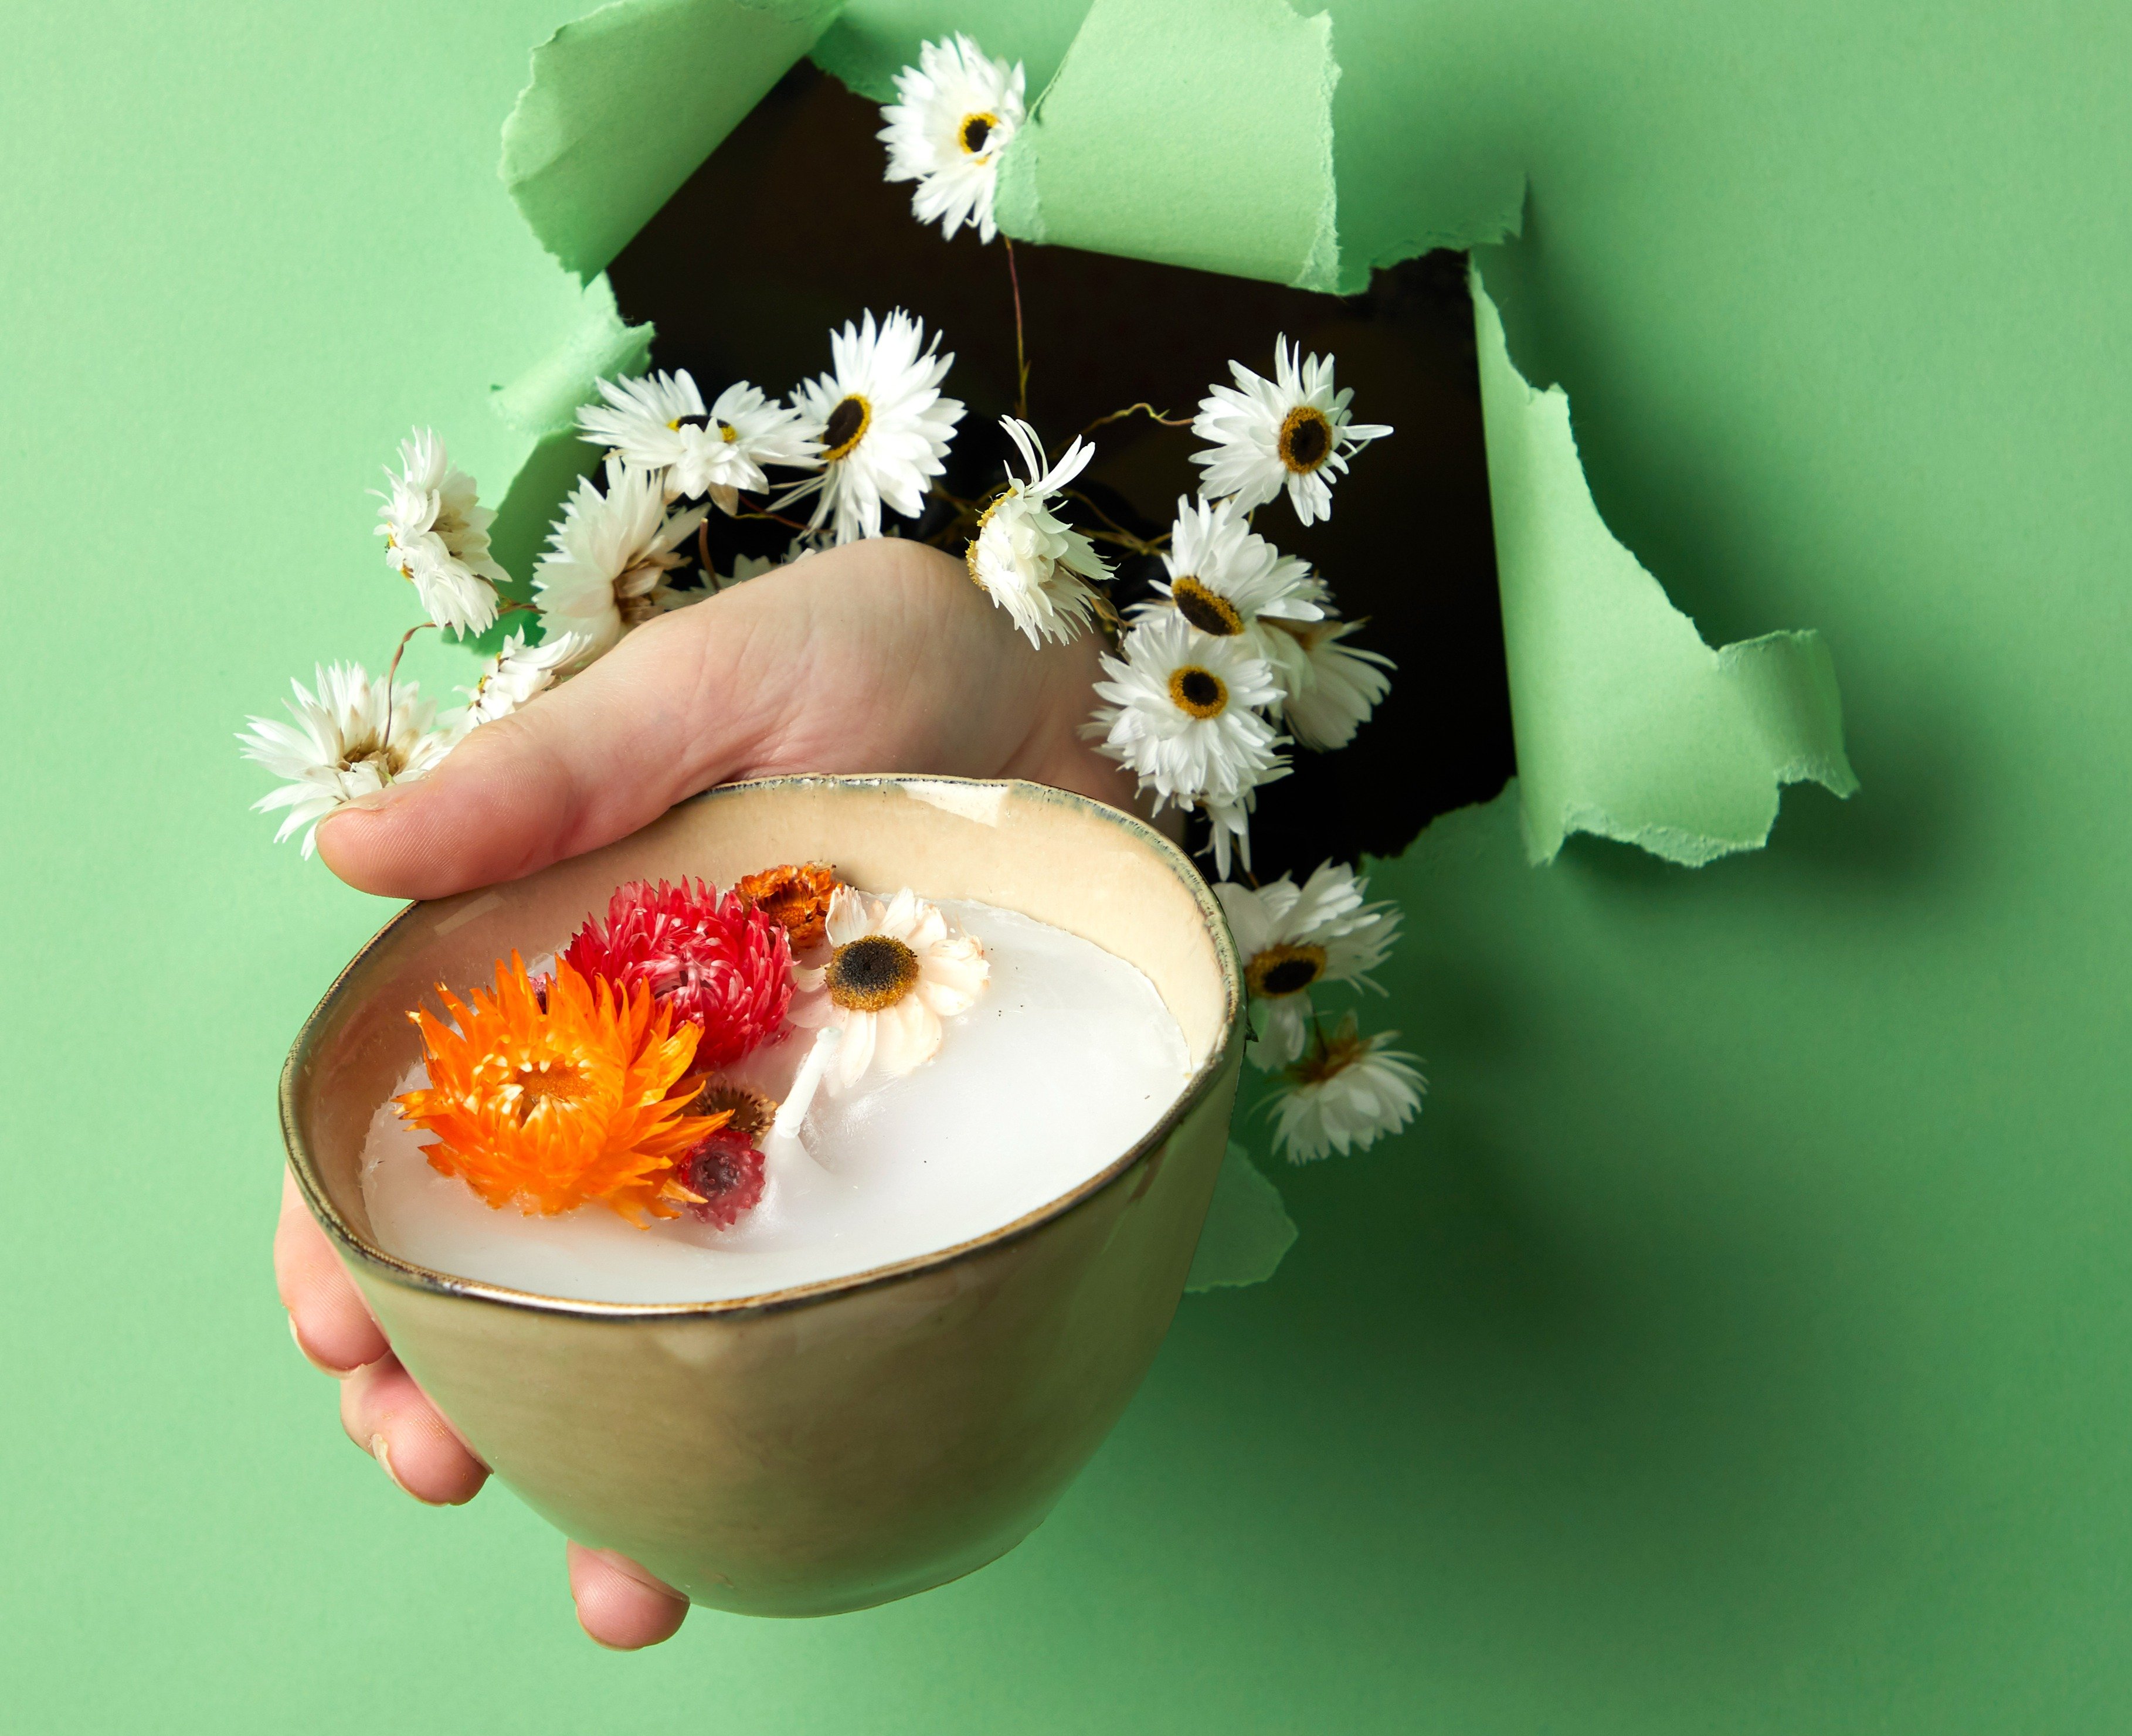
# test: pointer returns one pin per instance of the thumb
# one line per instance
(584, 764)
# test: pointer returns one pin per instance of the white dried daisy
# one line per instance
(1329, 688)
(1227, 580)
(1293, 938)
(954, 114)
(1229, 827)
(1289, 432)
(1032, 565)
(879, 422)
(658, 422)
(897, 968)
(516, 673)
(609, 556)
(1345, 1094)
(436, 536)
(1183, 714)
(342, 744)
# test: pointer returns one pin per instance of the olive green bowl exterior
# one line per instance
(836, 1446)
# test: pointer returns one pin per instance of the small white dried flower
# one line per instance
(1031, 564)
(954, 113)
(1289, 432)
(436, 536)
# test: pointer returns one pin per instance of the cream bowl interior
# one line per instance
(830, 1446)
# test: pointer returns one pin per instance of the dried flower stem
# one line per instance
(1142, 408)
(1020, 351)
(392, 669)
(775, 518)
(1116, 533)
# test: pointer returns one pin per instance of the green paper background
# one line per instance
(1736, 1345)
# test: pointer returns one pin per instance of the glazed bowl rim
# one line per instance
(1204, 1079)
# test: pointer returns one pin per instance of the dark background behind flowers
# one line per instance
(788, 230)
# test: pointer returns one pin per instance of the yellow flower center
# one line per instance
(726, 431)
(846, 428)
(1284, 970)
(975, 130)
(873, 973)
(976, 533)
(1199, 691)
(1332, 1055)
(532, 1085)
(390, 760)
(1206, 609)
(1306, 439)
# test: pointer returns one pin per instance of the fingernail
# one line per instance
(311, 1356)
(644, 1576)
(380, 1449)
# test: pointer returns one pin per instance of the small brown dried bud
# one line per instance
(797, 895)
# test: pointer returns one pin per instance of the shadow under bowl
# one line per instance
(835, 1444)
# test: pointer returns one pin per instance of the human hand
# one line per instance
(880, 656)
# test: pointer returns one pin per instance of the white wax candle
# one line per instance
(1064, 1062)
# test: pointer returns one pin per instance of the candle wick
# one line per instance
(806, 1082)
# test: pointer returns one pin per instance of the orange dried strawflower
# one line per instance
(551, 1106)
(796, 894)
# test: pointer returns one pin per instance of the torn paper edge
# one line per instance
(540, 135)
(1248, 1232)
(1701, 777)
(1778, 692)
(1018, 202)
(543, 400)
(592, 87)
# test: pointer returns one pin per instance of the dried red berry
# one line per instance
(727, 1172)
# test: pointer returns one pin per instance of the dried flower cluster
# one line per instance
(1337, 1093)
(604, 1081)
(1240, 655)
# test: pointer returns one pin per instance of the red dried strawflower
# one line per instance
(720, 963)
(725, 1171)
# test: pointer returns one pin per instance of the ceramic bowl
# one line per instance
(837, 1445)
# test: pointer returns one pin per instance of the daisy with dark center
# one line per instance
(1030, 563)
(880, 425)
(897, 969)
(1230, 582)
(1184, 717)
(658, 423)
(609, 556)
(1345, 1094)
(549, 1101)
(795, 895)
(954, 113)
(1291, 432)
(352, 738)
(1291, 938)
(1329, 689)
(718, 963)
(436, 537)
